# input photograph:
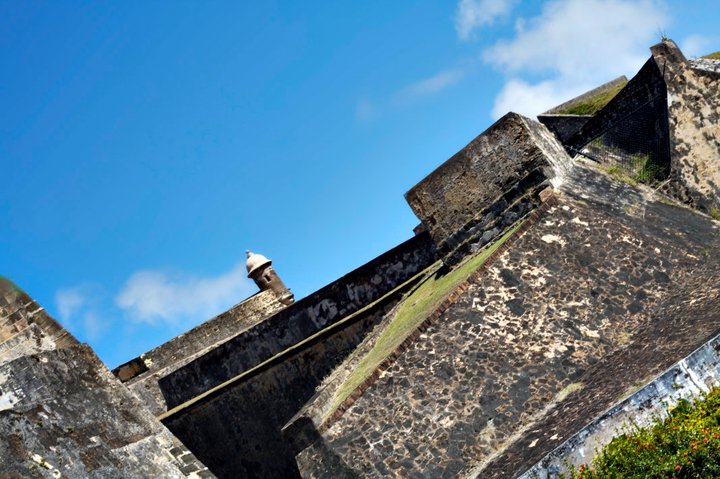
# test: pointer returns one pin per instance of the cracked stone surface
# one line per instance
(578, 287)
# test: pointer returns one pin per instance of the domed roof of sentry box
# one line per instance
(255, 261)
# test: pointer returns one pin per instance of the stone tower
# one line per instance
(260, 270)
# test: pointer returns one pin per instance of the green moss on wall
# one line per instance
(592, 105)
(411, 312)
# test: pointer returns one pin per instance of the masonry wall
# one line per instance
(564, 126)
(300, 320)
(694, 119)
(236, 430)
(572, 290)
(25, 327)
(142, 374)
(63, 414)
(639, 109)
(689, 379)
(503, 164)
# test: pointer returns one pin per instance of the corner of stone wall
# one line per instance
(478, 193)
(25, 327)
(694, 129)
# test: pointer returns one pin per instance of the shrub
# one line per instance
(684, 445)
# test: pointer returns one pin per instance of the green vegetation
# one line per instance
(714, 213)
(619, 174)
(413, 310)
(640, 168)
(713, 56)
(592, 105)
(685, 445)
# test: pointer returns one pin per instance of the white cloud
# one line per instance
(698, 45)
(153, 296)
(530, 99)
(93, 326)
(433, 84)
(68, 302)
(79, 310)
(573, 45)
(473, 14)
(366, 110)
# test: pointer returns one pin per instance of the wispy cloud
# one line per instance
(68, 302)
(699, 45)
(430, 85)
(573, 45)
(366, 110)
(473, 14)
(79, 310)
(156, 296)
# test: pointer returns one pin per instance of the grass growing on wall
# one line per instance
(592, 105)
(713, 56)
(413, 310)
(686, 444)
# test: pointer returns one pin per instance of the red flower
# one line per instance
(677, 468)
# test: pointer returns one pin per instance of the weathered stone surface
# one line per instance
(300, 320)
(478, 175)
(25, 327)
(688, 379)
(635, 117)
(63, 414)
(677, 325)
(712, 66)
(142, 374)
(694, 118)
(236, 430)
(574, 289)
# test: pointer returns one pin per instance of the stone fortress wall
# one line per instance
(63, 414)
(466, 196)
(510, 370)
(265, 374)
(694, 116)
(25, 327)
(494, 383)
(143, 373)
(299, 321)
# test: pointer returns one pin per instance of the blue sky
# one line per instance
(145, 145)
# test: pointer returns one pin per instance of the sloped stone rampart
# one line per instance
(574, 289)
(689, 379)
(63, 414)
(680, 323)
(142, 374)
(259, 403)
(300, 320)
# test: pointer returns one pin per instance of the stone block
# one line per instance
(478, 175)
